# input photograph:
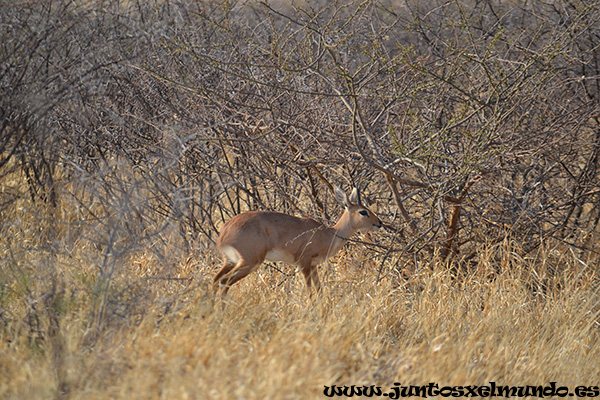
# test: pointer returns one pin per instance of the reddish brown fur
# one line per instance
(251, 237)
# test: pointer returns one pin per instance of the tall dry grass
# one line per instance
(509, 319)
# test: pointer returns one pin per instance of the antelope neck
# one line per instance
(343, 228)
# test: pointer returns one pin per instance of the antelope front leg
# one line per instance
(312, 277)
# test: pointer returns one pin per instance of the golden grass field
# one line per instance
(512, 320)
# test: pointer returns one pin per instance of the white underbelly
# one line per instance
(278, 255)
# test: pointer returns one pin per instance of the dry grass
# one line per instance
(511, 320)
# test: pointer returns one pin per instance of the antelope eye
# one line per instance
(364, 213)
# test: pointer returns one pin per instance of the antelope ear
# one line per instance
(341, 197)
(355, 196)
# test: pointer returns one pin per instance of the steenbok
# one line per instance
(252, 237)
